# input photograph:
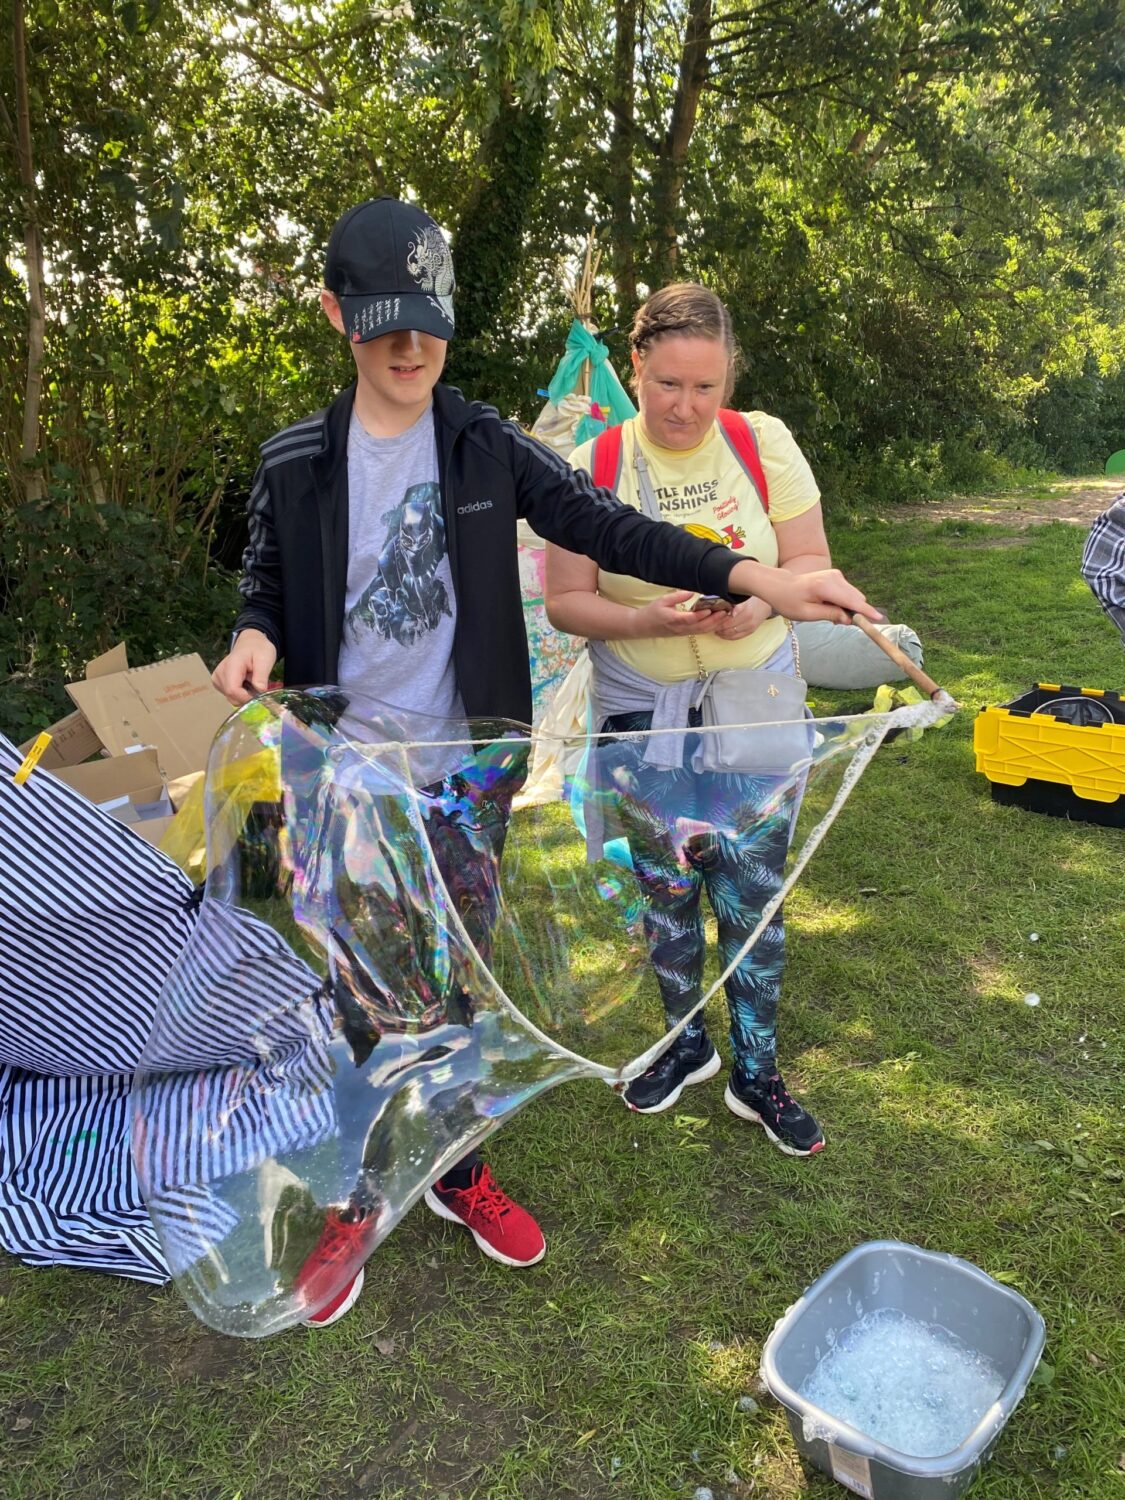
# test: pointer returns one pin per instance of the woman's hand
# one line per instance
(663, 617)
(743, 620)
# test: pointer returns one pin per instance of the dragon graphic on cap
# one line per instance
(429, 262)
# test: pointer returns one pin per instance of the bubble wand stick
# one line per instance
(900, 659)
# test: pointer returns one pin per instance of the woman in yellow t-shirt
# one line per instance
(676, 455)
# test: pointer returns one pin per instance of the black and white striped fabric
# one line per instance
(106, 967)
(91, 920)
(68, 1192)
(237, 1073)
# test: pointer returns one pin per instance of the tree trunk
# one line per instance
(32, 477)
(669, 180)
(488, 247)
(621, 153)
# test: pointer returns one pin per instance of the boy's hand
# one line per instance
(246, 671)
(825, 595)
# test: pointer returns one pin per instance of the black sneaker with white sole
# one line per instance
(688, 1060)
(770, 1104)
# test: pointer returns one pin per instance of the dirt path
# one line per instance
(1076, 501)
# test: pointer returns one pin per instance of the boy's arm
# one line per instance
(260, 584)
(562, 505)
(1103, 562)
(245, 670)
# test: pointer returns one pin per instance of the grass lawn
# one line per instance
(957, 1117)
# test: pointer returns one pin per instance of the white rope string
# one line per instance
(878, 726)
(910, 716)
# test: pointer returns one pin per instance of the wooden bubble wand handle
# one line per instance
(898, 656)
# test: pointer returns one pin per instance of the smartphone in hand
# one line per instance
(707, 602)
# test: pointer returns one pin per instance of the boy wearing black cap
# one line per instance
(382, 553)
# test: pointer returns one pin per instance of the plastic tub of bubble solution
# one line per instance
(899, 1368)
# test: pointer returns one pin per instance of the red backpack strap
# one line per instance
(740, 435)
(607, 459)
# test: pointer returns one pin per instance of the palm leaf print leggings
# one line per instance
(726, 834)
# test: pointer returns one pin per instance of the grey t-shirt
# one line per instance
(399, 611)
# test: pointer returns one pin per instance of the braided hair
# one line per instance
(690, 310)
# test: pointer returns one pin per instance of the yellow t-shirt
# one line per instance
(706, 490)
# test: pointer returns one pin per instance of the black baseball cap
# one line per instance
(390, 267)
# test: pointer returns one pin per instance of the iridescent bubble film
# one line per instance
(420, 926)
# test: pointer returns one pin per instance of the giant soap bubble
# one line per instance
(420, 926)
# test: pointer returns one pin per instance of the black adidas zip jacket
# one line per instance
(491, 474)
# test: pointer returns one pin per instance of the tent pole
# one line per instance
(582, 300)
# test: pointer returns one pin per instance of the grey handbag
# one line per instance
(759, 719)
(758, 722)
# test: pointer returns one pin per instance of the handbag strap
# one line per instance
(649, 503)
(702, 670)
(651, 507)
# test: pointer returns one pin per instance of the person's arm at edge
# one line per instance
(1103, 562)
(802, 547)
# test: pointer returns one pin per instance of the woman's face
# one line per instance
(681, 381)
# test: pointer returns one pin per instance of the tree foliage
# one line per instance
(913, 209)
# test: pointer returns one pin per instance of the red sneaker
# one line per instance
(501, 1228)
(343, 1244)
(334, 1310)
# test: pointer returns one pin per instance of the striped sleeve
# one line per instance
(106, 968)
(260, 584)
(91, 921)
(69, 1194)
(562, 505)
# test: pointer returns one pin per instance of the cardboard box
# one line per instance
(72, 741)
(152, 727)
(116, 659)
(72, 738)
(179, 789)
(128, 787)
(170, 705)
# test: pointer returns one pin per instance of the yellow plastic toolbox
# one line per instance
(1057, 750)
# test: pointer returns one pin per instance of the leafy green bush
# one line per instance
(76, 576)
(1080, 420)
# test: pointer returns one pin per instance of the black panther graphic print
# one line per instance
(406, 599)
